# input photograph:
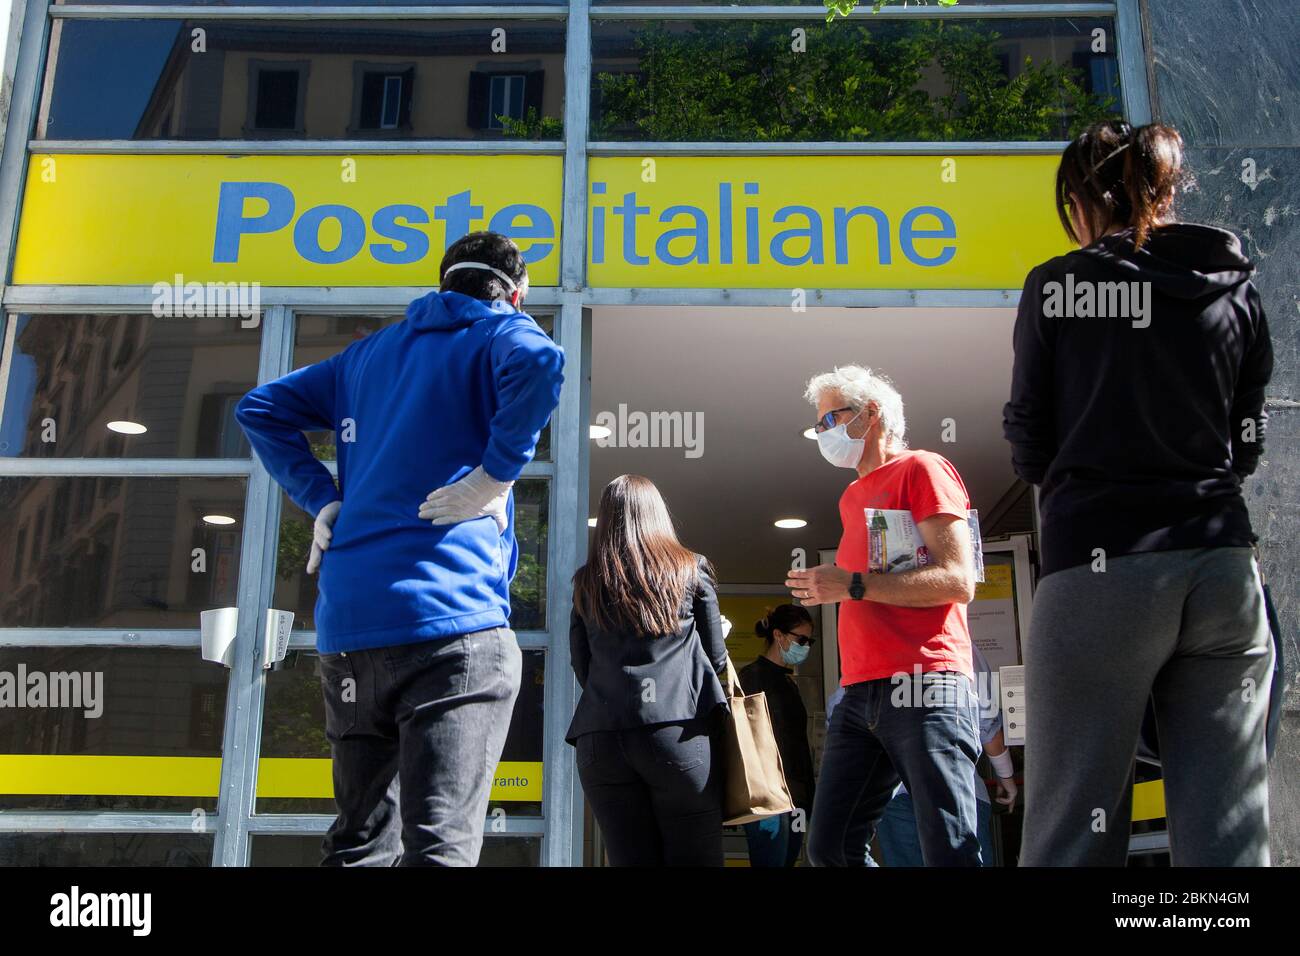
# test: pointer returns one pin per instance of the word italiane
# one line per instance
(75, 908)
(56, 689)
(399, 226)
(192, 300)
(704, 235)
(1098, 300)
(636, 429)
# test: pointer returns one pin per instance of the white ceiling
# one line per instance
(745, 370)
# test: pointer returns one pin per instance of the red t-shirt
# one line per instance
(880, 640)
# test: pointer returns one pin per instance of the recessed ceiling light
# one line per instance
(790, 523)
(127, 428)
(218, 519)
(599, 432)
(810, 432)
(591, 522)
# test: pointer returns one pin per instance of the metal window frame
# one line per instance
(561, 825)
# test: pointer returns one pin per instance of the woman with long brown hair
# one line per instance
(646, 641)
(1137, 403)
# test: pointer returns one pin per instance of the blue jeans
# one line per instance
(773, 842)
(921, 730)
(900, 843)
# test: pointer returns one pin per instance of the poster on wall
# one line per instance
(992, 616)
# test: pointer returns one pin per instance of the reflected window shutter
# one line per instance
(476, 114)
(533, 91)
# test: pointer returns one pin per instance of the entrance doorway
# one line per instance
(708, 403)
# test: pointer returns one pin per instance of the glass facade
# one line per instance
(851, 81)
(224, 79)
(129, 499)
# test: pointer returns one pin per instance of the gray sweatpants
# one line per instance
(1187, 627)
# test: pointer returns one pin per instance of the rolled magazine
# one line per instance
(894, 542)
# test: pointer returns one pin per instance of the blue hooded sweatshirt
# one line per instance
(415, 406)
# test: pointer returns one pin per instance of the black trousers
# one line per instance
(656, 792)
(416, 731)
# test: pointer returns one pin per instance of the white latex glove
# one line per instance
(322, 531)
(475, 495)
(726, 625)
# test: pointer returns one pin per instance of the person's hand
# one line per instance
(726, 625)
(474, 496)
(322, 532)
(824, 584)
(1007, 792)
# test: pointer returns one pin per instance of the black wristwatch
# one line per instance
(856, 588)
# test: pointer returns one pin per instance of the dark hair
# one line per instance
(490, 248)
(1122, 176)
(638, 573)
(783, 617)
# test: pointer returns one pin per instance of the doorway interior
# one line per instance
(708, 403)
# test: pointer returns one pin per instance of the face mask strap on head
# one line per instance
(510, 283)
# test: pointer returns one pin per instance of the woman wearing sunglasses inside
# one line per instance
(776, 841)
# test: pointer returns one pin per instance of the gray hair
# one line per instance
(862, 387)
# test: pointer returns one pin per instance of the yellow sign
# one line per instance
(744, 611)
(278, 220)
(514, 781)
(835, 222)
(870, 222)
(996, 585)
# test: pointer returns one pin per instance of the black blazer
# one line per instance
(615, 668)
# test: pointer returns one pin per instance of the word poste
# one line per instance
(393, 236)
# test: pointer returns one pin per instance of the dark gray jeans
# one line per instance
(1188, 629)
(656, 792)
(416, 731)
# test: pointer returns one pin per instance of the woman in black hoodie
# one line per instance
(1137, 404)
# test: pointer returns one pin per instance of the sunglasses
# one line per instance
(802, 639)
(827, 421)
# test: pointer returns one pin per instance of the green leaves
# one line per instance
(533, 126)
(843, 8)
(923, 80)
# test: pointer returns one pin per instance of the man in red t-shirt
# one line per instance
(910, 711)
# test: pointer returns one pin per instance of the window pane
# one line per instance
(306, 851)
(295, 757)
(143, 79)
(118, 552)
(934, 8)
(317, 337)
(105, 849)
(116, 728)
(353, 3)
(859, 80)
(127, 386)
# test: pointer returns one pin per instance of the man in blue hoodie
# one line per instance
(435, 417)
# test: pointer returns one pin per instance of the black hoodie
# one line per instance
(1140, 429)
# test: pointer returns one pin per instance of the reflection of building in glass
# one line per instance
(111, 550)
(328, 79)
(117, 552)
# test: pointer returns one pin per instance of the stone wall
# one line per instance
(1226, 73)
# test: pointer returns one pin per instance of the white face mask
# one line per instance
(516, 293)
(838, 448)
